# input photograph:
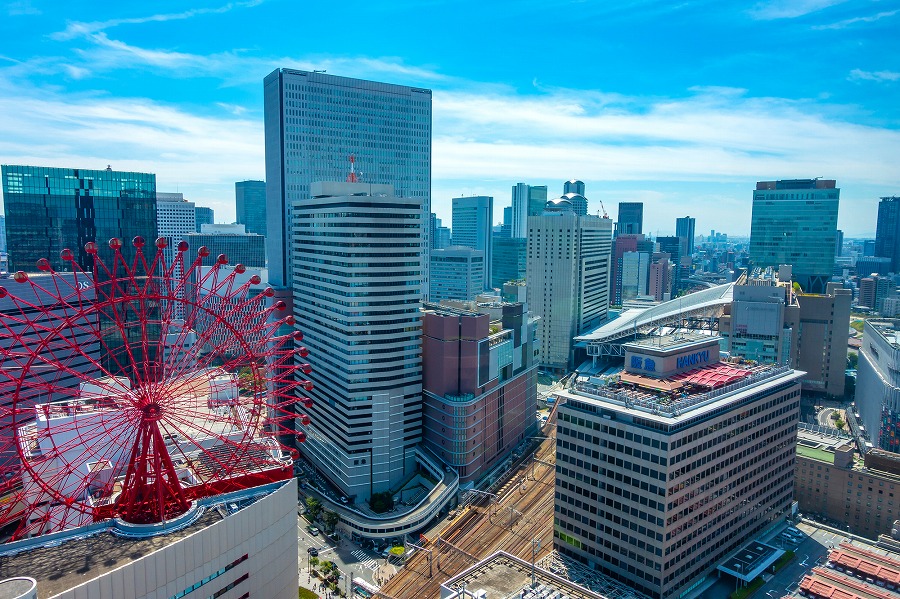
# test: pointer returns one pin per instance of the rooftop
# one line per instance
(66, 559)
(673, 397)
(888, 328)
(502, 575)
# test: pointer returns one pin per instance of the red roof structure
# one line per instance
(711, 377)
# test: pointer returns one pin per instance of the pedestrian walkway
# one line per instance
(366, 560)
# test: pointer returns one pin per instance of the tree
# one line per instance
(251, 380)
(330, 519)
(839, 423)
(313, 507)
(313, 561)
(852, 360)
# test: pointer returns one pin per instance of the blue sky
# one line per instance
(681, 105)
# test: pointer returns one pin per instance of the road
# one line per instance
(812, 551)
(347, 556)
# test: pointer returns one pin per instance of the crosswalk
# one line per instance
(365, 559)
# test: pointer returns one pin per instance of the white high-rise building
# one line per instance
(456, 273)
(357, 284)
(175, 218)
(314, 123)
(635, 274)
(472, 228)
(568, 277)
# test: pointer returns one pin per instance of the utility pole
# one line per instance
(534, 550)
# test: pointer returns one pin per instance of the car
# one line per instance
(314, 531)
(344, 500)
(386, 552)
(312, 551)
(795, 531)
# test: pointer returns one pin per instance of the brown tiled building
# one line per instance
(831, 480)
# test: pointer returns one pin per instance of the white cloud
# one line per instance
(80, 28)
(857, 20)
(789, 9)
(860, 75)
(22, 7)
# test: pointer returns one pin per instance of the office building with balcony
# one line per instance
(668, 466)
(479, 385)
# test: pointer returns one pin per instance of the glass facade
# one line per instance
(794, 222)
(510, 255)
(50, 209)
(203, 216)
(250, 201)
(314, 122)
(249, 250)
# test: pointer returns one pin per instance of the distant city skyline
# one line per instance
(793, 90)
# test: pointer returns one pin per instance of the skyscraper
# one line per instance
(506, 227)
(471, 227)
(527, 200)
(684, 228)
(794, 222)
(510, 260)
(175, 217)
(49, 209)
(631, 218)
(239, 246)
(362, 325)
(250, 202)
(457, 272)
(314, 123)
(574, 191)
(568, 277)
(887, 232)
(204, 216)
(635, 274)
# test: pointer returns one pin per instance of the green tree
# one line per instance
(313, 507)
(839, 423)
(852, 359)
(314, 561)
(330, 519)
(251, 380)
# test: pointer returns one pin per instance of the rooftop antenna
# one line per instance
(352, 178)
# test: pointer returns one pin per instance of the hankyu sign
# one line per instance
(694, 359)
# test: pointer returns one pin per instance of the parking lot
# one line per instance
(810, 552)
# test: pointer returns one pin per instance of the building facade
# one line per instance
(567, 278)
(238, 246)
(175, 218)
(655, 491)
(315, 121)
(795, 222)
(878, 383)
(204, 216)
(685, 229)
(480, 385)
(887, 232)
(660, 279)
(471, 227)
(823, 331)
(527, 200)
(456, 273)
(510, 260)
(50, 209)
(635, 274)
(631, 218)
(860, 493)
(358, 286)
(250, 202)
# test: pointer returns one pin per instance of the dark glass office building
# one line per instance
(510, 260)
(631, 218)
(50, 209)
(250, 201)
(887, 234)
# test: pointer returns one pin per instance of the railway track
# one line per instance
(523, 512)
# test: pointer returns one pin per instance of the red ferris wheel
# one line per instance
(134, 388)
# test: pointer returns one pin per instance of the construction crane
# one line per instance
(603, 208)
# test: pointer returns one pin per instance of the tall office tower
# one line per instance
(873, 290)
(480, 385)
(878, 383)
(506, 226)
(676, 462)
(660, 279)
(204, 216)
(866, 265)
(869, 247)
(472, 227)
(510, 261)
(621, 245)
(440, 236)
(838, 244)
(631, 218)
(250, 202)
(887, 231)
(527, 200)
(238, 246)
(175, 218)
(568, 277)
(635, 274)
(794, 222)
(314, 122)
(366, 358)
(49, 209)
(2, 233)
(684, 228)
(574, 192)
(457, 273)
